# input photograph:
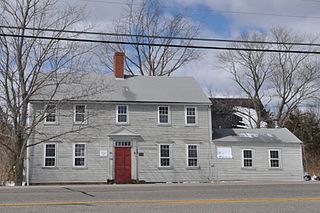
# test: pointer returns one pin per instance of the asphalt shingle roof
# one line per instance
(155, 89)
(263, 135)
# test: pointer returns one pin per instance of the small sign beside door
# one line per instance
(103, 153)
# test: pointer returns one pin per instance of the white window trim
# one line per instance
(187, 150)
(252, 158)
(85, 114)
(170, 156)
(127, 122)
(169, 115)
(44, 155)
(74, 156)
(196, 116)
(280, 161)
(46, 113)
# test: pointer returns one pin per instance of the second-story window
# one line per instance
(122, 114)
(191, 116)
(50, 114)
(79, 113)
(163, 115)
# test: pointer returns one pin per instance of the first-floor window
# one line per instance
(274, 158)
(50, 155)
(247, 158)
(165, 155)
(192, 155)
(79, 155)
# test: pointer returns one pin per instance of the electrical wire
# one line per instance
(162, 37)
(159, 45)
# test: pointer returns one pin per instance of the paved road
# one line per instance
(154, 198)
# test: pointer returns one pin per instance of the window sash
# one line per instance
(165, 155)
(192, 151)
(50, 155)
(247, 158)
(274, 158)
(79, 113)
(79, 155)
(163, 115)
(122, 114)
(50, 115)
(191, 115)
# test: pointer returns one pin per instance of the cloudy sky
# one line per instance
(218, 19)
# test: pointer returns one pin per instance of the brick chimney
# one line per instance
(118, 64)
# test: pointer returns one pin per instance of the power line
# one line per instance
(162, 37)
(159, 45)
(217, 11)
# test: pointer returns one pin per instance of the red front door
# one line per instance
(123, 164)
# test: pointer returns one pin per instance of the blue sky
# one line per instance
(218, 19)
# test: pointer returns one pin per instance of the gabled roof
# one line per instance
(131, 89)
(263, 135)
(123, 132)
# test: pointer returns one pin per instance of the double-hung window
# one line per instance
(50, 114)
(274, 158)
(79, 155)
(50, 154)
(163, 115)
(165, 155)
(192, 151)
(191, 116)
(122, 114)
(80, 113)
(247, 158)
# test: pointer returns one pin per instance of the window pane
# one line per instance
(191, 115)
(193, 162)
(274, 154)
(247, 153)
(163, 119)
(191, 120)
(247, 163)
(80, 108)
(79, 150)
(79, 161)
(192, 151)
(122, 114)
(164, 151)
(50, 162)
(122, 118)
(274, 163)
(165, 162)
(51, 113)
(50, 150)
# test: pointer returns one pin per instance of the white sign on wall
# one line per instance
(103, 153)
(224, 152)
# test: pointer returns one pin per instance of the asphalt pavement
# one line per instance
(205, 197)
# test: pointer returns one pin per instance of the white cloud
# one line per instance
(206, 71)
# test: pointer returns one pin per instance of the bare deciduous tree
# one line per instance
(29, 65)
(149, 19)
(250, 70)
(288, 79)
(294, 76)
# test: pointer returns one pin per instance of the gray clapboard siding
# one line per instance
(231, 169)
(143, 120)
